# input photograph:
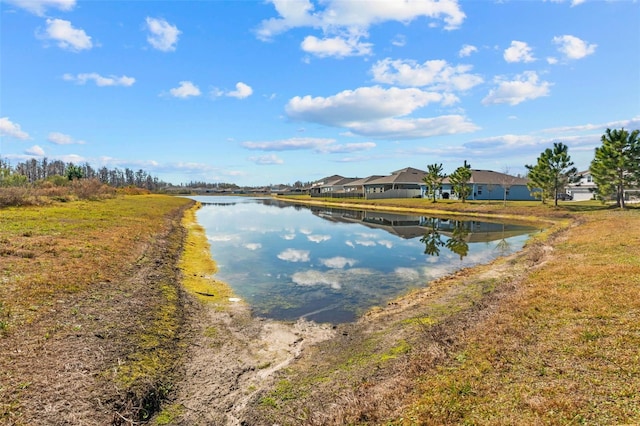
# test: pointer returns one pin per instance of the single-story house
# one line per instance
(324, 185)
(403, 183)
(357, 186)
(489, 185)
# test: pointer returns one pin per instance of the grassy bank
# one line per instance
(548, 336)
(89, 309)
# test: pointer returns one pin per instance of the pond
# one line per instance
(290, 261)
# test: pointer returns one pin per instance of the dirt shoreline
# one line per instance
(234, 359)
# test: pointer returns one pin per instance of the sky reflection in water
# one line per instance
(331, 265)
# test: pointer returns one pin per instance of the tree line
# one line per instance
(32, 171)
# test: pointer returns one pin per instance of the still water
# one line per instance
(331, 265)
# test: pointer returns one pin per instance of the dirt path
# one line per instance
(231, 357)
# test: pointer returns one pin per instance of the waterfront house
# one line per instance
(403, 183)
(489, 185)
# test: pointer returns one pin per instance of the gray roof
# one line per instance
(327, 181)
(489, 177)
(406, 175)
(362, 181)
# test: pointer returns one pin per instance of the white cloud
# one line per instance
(39, 7)
(467, 50)
(319, 145)
(62, 139)
(414, 128)
(399, 40)
(524, 87)
(574, 48)
(338, 262)
(318, 238)
(518, 52)
(288, 236)
(101, 81)
(35, 150)
(311, 278)
(11, 129)
(436, 74)
(344, 15)
(68, 38)
(253, 246)
(374, 112)
(339, 47)
(266, 159)
(242, 91)
(163, 36)
(293, 255)
(362, 104)
(185, 90)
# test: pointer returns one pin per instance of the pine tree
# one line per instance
(433, 179)
(616, 164)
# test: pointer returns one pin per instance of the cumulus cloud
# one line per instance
(574, 48)
(293, 255)
(35, 151)
(362, 104)
(340, 16)
(39, 7)
(11, 129)
(467, 50)
(101, 81)
(338, 262)
(185, 90)
(435, 74)
(319, 145)
(62, 139)
(266, 159)
(162, 35)
(68, 38)
(242, 91)
(253, 246)
(524, 87)
(345, 23)
(312, 278)
(339, 47)
(518, 52)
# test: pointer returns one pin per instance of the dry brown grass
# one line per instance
(89, 310)
(549, 336)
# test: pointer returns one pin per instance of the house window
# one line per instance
(479, 190)
(589, 178)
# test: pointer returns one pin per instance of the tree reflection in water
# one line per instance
(457, 242)
(432, 239)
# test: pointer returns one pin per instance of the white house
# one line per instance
(584, 188)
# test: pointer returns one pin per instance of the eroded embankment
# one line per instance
(231, 355)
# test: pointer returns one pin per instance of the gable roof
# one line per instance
(362, 181)
(489, 177)
(406, 175)
(329, 180)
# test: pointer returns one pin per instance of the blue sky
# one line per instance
(278, 91)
